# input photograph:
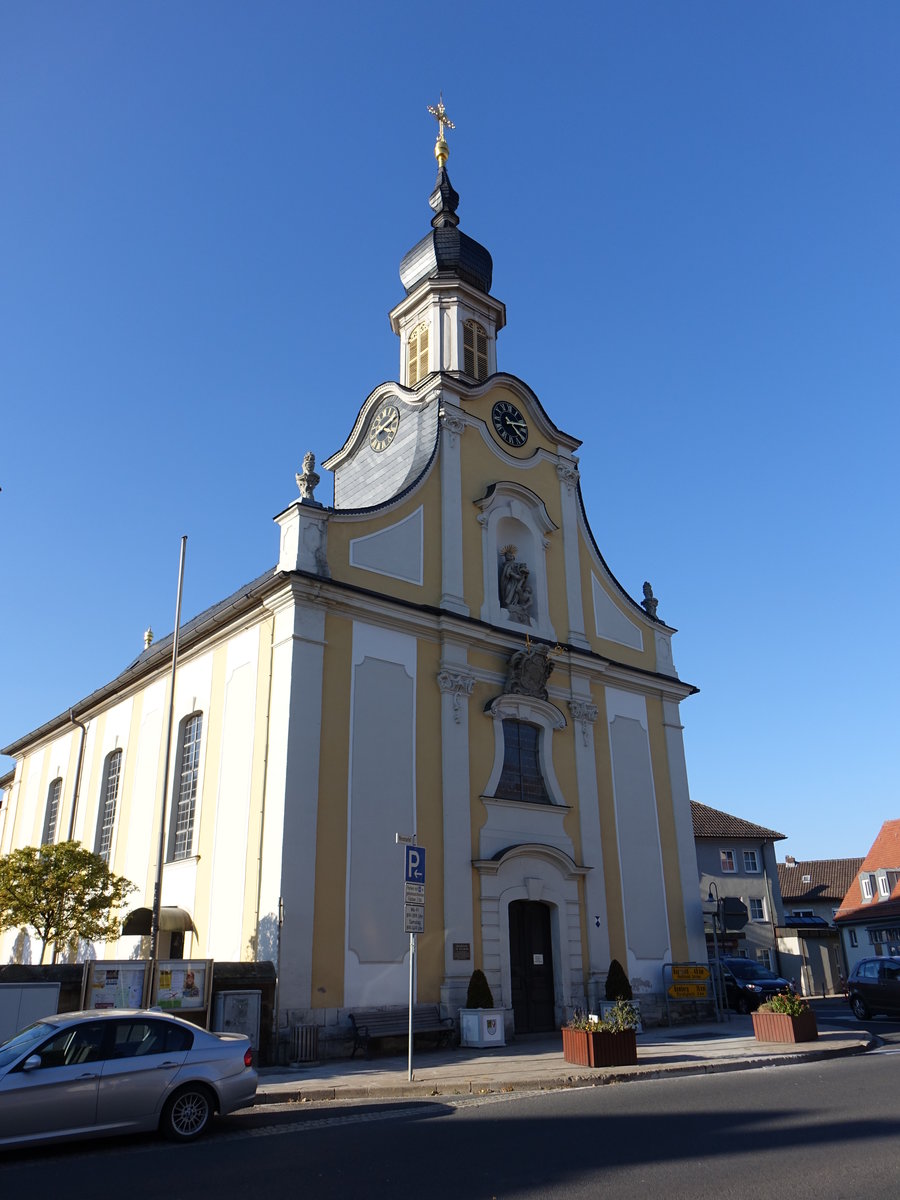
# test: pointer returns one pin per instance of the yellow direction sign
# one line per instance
(689, 971)
(687, 991)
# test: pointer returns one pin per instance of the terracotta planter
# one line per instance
(781, 1027)
(586, 1049)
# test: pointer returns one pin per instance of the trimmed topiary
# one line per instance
(479, 994)
(617, 985)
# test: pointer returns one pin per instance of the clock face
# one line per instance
(510, 425)
(384, 426)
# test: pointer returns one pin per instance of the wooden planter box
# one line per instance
(780, 1027)
(586, 1049)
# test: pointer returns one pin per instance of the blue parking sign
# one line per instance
(415, 864)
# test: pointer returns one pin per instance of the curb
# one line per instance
(473, 1087)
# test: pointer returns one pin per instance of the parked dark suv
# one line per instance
(748, 983)
(874, 987)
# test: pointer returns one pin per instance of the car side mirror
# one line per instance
(31, 1062)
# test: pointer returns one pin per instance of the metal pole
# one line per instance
(161, 849)
(412, 958)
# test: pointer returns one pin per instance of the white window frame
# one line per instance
(185, 793)
(854, 940)
(51, 812)
(865, 883)
(753, 856)
(762, 908)
(727, 857)
(109, 803)
(883, 886)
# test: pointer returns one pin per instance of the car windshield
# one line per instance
(745, 968)
(22, 1041)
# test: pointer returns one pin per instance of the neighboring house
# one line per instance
(869, 916)
(809, 943)
(736, 858)
(445, 654)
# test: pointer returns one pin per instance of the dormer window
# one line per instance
(418, 354)
(475, 355)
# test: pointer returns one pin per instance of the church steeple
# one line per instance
(449, 321)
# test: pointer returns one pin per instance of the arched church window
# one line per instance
(51, 815)
(109, 794)
(418, 354)
(522, 777)
(184, 798)
(475, 355)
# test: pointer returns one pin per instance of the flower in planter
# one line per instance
(623, 1015)
(787, 1003)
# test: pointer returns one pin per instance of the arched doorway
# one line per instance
(531, 966)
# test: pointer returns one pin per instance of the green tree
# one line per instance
(63, 892)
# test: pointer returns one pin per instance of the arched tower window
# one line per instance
(51, 816)
(522, 777)
(418, 354)
(109, 794)
(475, 355)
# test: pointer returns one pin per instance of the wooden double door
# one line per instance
(531, 966)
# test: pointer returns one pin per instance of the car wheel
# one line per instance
(186, 1113)
(860, 1008)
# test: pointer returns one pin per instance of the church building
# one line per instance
(443, 654)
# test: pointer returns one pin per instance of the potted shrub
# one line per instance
(785, 1018)
(607, 1042)
(480, 1023)
(618, 988)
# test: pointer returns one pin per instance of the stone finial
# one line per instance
(148, 637)
(649, 602)
(308, 480)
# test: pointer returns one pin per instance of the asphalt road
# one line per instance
(820, 1130)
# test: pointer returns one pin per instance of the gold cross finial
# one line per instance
(441, 149)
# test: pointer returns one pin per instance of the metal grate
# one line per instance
(304, 1043)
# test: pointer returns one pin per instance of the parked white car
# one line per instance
(91, 1074)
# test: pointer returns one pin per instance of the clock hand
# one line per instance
(515, 424)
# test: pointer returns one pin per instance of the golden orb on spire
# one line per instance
(441, 149)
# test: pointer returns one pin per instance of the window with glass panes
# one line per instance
(418, 354)
(522, 778)
(757, 909)
(475, 360)
(52, 814)
(185, 799)
(109, 796)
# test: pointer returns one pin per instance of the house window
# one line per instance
(418, 354)
(866, 885)
(883, 886)
(52, 813)
(109, 792)
(522, 777)
(852, 935)
(802, 912)
(764, 958)
(184, 797)
(751, 861)
(756, 908)
(728, 864)
(475, 360)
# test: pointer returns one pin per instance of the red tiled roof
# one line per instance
(829, 878)
(711, 823)
(885, 853)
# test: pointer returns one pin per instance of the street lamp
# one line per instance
(718, 990)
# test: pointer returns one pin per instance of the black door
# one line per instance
(531, 966)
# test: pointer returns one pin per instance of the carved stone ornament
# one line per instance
(451, 421)
(585, 714)
(649, 602)
(458, 684)
(568, 474)
(308, 480)
(528, 672)
(515, 586)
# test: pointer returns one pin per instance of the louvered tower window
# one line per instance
(418, 354)
(475, 359)
(51, 816)
(184, 801)
(522, 777)
(109, 793)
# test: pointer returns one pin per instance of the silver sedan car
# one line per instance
(90, 1074)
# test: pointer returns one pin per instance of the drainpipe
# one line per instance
(78, 769)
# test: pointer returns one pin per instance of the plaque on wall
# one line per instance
(462, 951)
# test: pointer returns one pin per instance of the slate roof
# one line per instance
(712, 823)
(829, 878)
(885, 853)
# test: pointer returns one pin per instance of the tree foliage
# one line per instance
(63, 892)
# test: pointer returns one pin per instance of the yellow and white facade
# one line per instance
(390, 674)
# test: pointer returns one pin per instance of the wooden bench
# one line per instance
(373, 1024)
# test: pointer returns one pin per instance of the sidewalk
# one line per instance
(536, 1063)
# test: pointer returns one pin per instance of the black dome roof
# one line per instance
(446, 251)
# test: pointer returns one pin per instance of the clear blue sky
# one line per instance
(692, 209)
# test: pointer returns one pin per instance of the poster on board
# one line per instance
(183, 983)
(114, 984)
